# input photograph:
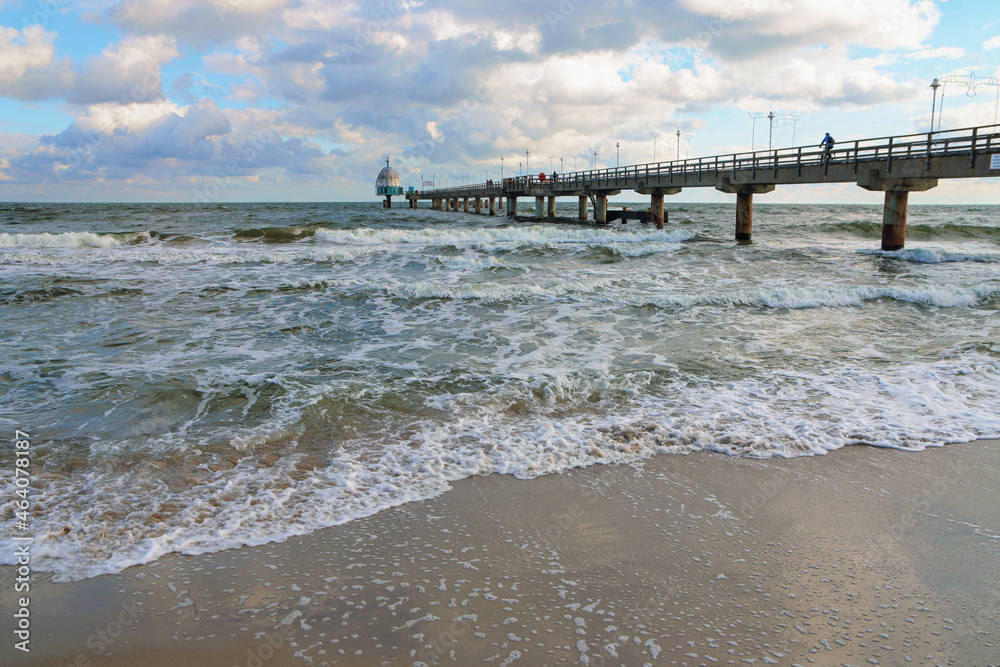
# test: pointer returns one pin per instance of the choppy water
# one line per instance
(196, 378)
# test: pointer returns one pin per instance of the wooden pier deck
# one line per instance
(893, 165)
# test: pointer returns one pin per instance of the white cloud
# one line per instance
(318, 14)
(942, 53)
(29, 69)
(992, 43)
(128, 71)
(201, 22)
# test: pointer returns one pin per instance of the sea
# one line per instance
(193, 378)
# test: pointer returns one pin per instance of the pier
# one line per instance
(895, 166)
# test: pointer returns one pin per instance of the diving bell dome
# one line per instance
(388, 182)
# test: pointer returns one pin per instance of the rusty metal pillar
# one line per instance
(897, 201)
(744, 215)
(493, 206)
(894, 220)
(479, 204)
(552, 207)
(656, 210)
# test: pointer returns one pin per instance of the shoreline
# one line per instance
(862, 556)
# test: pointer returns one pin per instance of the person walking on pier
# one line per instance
(827, 144)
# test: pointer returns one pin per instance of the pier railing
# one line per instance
(973, 142)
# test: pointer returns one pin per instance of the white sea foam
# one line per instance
(834, 296)
(494, 293)
(935, 255)
(70, 240)
(912, 408)
(170, 256)
(496, 237)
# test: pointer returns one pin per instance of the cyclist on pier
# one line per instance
(827, 144)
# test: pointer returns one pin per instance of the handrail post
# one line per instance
(972, 157)
(857, 148)
(930, 140)
(889, 170)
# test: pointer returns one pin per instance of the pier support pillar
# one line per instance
(583, 208)
(493, 206)
(454, 205)
(551, 212)
(897, 201)
(539, 207)
(894, 220)
(744, 204)
(656, 214)
(512, 206)
(479, 204)
(744, 216)
(466, 205)
(656, 210)
(601, 210)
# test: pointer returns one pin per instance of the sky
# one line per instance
(303, 100)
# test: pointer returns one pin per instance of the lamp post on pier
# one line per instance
(935, 85)
(618, 154)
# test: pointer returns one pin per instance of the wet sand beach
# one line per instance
(860, 557)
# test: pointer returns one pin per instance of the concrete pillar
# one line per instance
(388, 202)
(744, 216)
(583, 207)
(512, 206)
(466, 204)
(552, 207)
(539, 207)
(479, 204)
(454, 205)
(894, 220)
(493, 206)
(601, 211)
(656, 210)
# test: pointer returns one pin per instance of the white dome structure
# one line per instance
(388, 184)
